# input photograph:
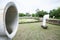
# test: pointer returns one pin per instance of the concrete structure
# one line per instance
(45, 17)
(8, 20)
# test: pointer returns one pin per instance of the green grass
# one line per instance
(33, 31)
(27, 20)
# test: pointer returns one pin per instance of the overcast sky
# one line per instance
(31, 5)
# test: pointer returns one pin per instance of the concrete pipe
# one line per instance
(8, 21)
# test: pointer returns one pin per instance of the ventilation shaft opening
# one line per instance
(11, 19)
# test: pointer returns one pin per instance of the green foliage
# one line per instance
(27, 14)
(55, 12)
(33, 15)
(41, 13)
(21, 14)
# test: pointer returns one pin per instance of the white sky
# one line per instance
(30, 6)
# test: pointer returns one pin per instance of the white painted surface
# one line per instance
(4, 34)
(4, 38)
(45, 17)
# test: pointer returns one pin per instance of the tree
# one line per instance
(58, 13)
(27, 14)
(21, 14)
(40, 13)
(55, 12)
(52, 13)
(33, 15)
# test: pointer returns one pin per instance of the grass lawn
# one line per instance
(27, 20)
(33, 31)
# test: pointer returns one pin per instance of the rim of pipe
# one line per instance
(14, 30)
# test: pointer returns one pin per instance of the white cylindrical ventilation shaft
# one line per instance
(8, 21)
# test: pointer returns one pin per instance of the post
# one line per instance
(45, 17)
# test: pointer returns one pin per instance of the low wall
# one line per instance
(51, 21)
(56, 22)
(29, 18)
